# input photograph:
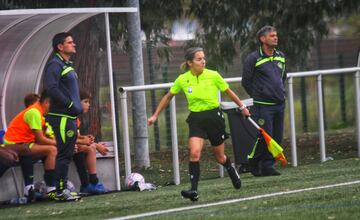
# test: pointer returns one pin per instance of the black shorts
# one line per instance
(208, 124)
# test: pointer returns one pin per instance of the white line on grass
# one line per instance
(146, 214)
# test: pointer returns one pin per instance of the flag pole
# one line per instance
(253, 122)
(274, 148)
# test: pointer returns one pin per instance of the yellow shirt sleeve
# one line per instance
(220, 82)
(176, 87)
(33, 119)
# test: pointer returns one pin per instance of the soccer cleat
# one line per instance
(51, 195)
(190, 194)
(234, 176)
(74, 193)
(98, 188)
(66, 196)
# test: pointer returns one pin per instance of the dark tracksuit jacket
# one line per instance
(264, 80)
(61, 83)
(264, 77)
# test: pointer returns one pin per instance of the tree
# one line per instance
(349, 25)
(227, 23)
(225, 26)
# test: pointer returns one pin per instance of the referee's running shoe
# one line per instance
(67, 196)
(235, 177)
(190, 194)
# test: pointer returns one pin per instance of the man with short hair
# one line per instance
(60, 80)
(30, 99)
(24, 136)
(264, 80)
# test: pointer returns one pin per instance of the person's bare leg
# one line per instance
(222, 159)
(91, 159)
(48, 151)
(219, 153)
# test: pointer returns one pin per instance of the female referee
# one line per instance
(206, 120)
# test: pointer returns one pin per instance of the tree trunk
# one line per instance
(139, 103)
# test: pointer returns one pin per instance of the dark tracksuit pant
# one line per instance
(271, 119)
(65, 130)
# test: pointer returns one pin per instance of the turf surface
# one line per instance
(341, 202)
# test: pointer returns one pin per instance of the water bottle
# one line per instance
(19, 201)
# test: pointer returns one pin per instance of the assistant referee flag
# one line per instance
(274, 148)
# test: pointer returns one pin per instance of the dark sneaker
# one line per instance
(254, 168)
(190, 194)
(67, 196)
(235, 178)
(244, 168)
(270, 172)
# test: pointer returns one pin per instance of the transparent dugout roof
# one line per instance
(25, 42)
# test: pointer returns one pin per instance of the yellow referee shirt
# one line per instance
(201, 91)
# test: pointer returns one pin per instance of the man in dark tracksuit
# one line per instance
(264, 80)
(60, 80)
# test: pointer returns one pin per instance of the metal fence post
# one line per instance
(125, 128)
(357, 103)
(112, 98)
(174, 142)
(321, 118)
(292, 122)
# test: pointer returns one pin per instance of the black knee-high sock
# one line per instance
(194, 171)
(93, 179)
(49, 177)
(227, 163)
(27, 168)
(3, 169)
(79, 160)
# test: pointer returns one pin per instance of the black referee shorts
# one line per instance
(208, 124)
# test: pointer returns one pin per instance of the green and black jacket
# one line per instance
(61, 83)
(264, 77)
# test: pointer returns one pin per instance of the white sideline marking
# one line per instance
(146, 214)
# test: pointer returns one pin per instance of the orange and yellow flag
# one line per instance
(274, 148)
